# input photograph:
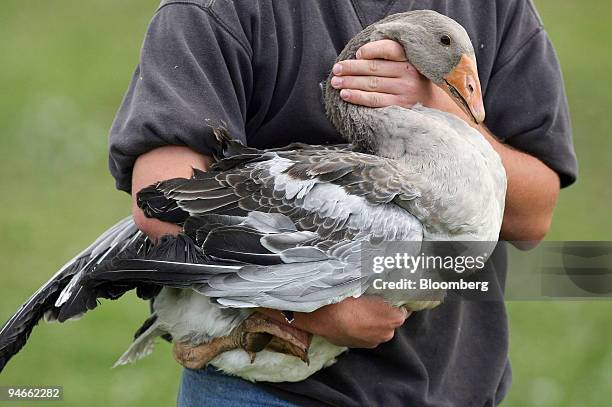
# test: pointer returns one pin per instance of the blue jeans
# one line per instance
(209, 387)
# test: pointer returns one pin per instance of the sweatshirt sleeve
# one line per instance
(526, 97)
(193, 73)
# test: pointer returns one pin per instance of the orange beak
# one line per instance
(463, 85)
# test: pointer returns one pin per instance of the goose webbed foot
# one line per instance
(283, 338)
(256, 333)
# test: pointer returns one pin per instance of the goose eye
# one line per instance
(445, 40)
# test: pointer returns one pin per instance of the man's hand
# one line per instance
(363, 322)
(381, 76)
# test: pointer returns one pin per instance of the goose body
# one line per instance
(285, 228)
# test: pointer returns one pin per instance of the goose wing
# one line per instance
(17, 329)
(257, 260)
(294, 220)
(339, 194)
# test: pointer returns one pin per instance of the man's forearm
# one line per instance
(157, 165)
(531, 197)
(363, 322)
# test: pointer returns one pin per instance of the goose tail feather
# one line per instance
(144, 341)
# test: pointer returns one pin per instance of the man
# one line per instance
(256, 65)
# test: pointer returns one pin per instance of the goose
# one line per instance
(286, 228)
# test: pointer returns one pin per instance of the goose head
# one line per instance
(436, 45)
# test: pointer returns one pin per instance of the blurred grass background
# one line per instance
(64, 68)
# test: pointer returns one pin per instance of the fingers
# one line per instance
(374, 67)
(363, 322)
(374, 99)
(383, 335)
(374, 84)
(383, 49)
(385, 80)
(389, 318)
(397, 316)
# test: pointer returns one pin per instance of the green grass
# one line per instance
(64, 70)
(560, 351)
(65, 66)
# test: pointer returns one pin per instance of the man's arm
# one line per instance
(157, 165)
(363, 322)
(533, 189)
(382, 77)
